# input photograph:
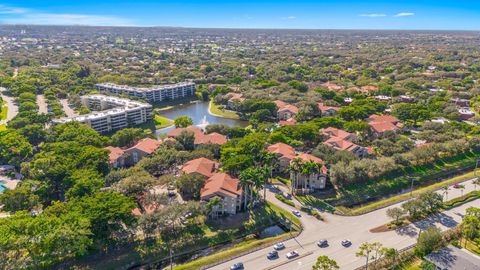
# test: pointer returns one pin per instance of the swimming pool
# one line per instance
(2, 187)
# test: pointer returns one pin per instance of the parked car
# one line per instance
(346, 243)
(457, 186)
(292, 254)
(279, 246)
(322, 243)
(272, 254)
(296, 213)
(236, 266)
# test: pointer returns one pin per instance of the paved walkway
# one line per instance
(42, 104)
(355, 228)
(67, 109)
(10, 103)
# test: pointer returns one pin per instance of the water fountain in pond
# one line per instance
(204, 123)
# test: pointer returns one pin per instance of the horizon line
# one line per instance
(237, 28)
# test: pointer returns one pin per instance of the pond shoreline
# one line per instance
(210, 104)
(201, 114)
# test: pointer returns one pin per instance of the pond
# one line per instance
(198, 111)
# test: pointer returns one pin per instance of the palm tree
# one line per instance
(476, 182)
(295, 169)
(309, 168)
(264, 176)
(445, 189)
(245, 180)
(212, 204)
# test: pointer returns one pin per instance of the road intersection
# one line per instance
(355, 228)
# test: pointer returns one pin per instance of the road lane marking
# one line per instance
(289, 261)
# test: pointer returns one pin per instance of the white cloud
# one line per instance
(289, 18)
(373, 15)
(12, 10)
(14, 15)
(404, 14)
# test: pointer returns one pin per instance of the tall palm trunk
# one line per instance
(245, 193)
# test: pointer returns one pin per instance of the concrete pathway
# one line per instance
(10, 103)
(67, 109)
(42, 104)
(355, 228)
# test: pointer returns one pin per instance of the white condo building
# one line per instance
(155, 93)
(111, 113)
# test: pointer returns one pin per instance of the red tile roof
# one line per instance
(221, 183)
(178, 131)
(200, 137)
(288, 122)
(233, 96)
(307, 157)
(340, 144)
(147, 145)
(213, 138)
(289, 107)
(335, 132)
(203, 166)
(383, 118)
(114, 154)
(325, 108)
(381, 127)
(282, 149)
(332, 86)
(382, 123)
(280, 104)
(368, 88)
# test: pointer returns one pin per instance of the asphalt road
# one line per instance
(356, 229)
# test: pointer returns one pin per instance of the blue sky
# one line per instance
(346, 14)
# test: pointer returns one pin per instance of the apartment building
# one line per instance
(155, 93)
(111, 113)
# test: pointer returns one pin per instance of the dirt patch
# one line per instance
(382, 228)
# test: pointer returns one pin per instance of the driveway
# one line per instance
(355, 228)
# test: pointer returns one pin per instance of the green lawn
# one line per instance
(471, 246)
(315, 202)
(162, 122)
(3, 113)
(392, 200)
(3, 127)
(426, 176)
(214, 109)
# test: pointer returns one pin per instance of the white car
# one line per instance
(296, 213)
(279, 246)
(292, 254)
